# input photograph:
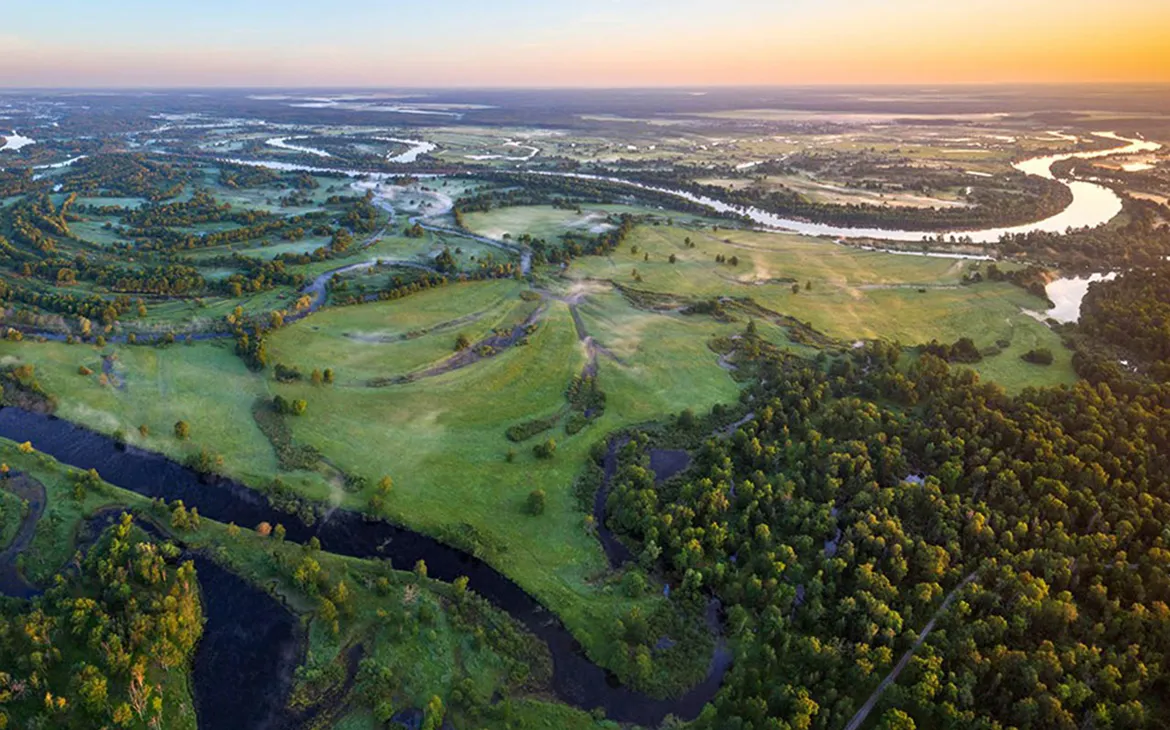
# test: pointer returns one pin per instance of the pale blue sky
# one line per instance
(588, 42)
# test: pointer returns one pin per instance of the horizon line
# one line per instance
(590, 87)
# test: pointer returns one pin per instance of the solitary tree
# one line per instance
(182, 430)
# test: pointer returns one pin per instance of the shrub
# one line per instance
(1039, 356)
(286, 374)
(536, 502)
(528, 429)
(545, 450)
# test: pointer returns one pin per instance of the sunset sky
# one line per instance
(585, 43)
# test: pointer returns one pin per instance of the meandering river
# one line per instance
(1092, 204)
(576, 680)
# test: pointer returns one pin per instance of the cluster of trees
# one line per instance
(962, 350)
(482, 202)
(90, 306)
(34, 223)
(14, 182)
(288, 407)
(574, 245)
(1032, 277)
(37, 227)
(833, 523)
(101, 647)
(246, 176)
(126, 175)
(586, 402)
(251, 348)
(361, 216)
(255, 275)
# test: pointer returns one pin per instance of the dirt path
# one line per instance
(892, 677)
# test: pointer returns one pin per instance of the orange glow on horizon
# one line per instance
(946, 45)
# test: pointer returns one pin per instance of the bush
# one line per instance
(1039, 356)
(545, 450)
(575, 423)
(536, 501)
(528, 429)
(286, 374)
(182, 430)
(634, 583)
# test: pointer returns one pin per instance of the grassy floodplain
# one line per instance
(846, 293)
(408, 624)
(441, 438)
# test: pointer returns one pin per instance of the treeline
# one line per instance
(600, 191)
(1031, 198)
(400, 287)
(860, 492)
(1132, 315)
(107, 646)
(255, 275)
(1143, 239)
(90, 306)
(487, 200)
(201, 208)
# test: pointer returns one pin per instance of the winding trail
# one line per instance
(892, 677)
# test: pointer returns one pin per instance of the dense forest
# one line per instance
(1132, 315)
(862, 491)
(1138, 238)
(109, 645)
